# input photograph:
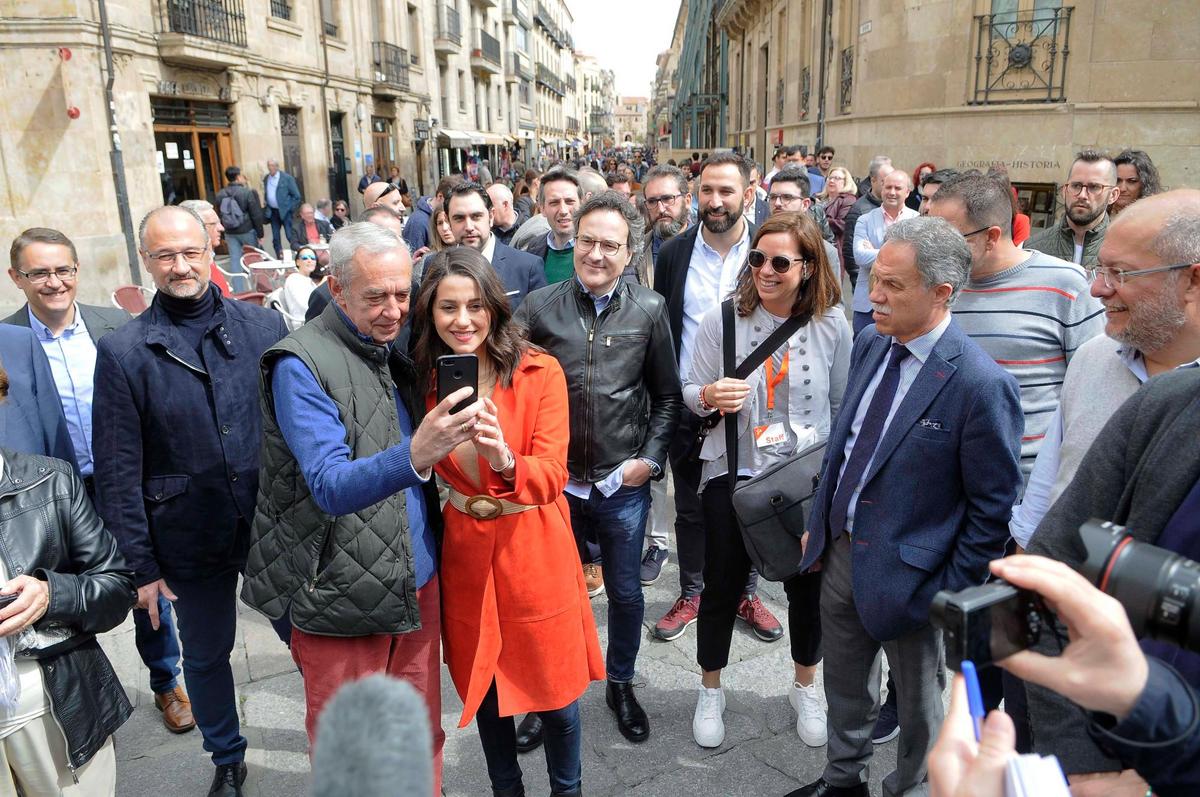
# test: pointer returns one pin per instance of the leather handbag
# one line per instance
(772, 508)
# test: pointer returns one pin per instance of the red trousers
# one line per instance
(329, 662)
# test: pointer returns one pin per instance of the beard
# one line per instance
(718, 224)
(668, 227)
(1084, 216)
(1154, 320)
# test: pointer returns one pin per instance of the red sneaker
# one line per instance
(676, 621)
(759, 618)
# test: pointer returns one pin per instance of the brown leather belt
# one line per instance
(485, 507)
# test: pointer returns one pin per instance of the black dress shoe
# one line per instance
(529, 733)
(228, 780)
(823, 789)
(631, 719)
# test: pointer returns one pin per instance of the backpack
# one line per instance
(232, 215)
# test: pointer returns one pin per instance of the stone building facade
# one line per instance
(630, 118)
(968, 83)
(325, 87)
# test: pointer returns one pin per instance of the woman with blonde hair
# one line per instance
(838, 197)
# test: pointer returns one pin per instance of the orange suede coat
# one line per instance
(514, 605)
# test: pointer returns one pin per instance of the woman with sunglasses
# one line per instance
(292, 298)
(513, 643)
(782, 408)
(341, 215)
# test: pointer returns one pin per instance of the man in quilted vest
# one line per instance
(344, 540)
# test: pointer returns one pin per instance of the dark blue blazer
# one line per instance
(287, 194)
(176, 438)
(31, 418)
(936, 500)
(520, 272)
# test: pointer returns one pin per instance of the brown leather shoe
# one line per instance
(176, 710)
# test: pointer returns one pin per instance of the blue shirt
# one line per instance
(919, 350)
(72, 357)
(314, 432)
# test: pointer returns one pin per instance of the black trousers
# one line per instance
(726, 566)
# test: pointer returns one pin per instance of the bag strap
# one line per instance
(748, 366)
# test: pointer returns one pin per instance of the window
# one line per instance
(462, 90)
(414, 36)
(521, 39)
(281, 9)
(329, 16)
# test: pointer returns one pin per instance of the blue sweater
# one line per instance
(314, 432)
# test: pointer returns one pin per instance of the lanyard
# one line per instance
(773, 380)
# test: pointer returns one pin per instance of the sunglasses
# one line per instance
(391, 187)
(779, 263)
(306, 257)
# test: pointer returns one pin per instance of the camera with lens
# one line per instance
(1160, 591)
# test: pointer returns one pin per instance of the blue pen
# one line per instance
(974, 696)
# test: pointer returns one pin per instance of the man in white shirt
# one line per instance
(869, 233)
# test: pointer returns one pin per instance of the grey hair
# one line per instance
(197, 206)
(165, 209)
(941, 252)
(1179, 239)
(876, 162)
(324, 203)
(591, 182)
(346, 243)
(665, 170)
(614, 201)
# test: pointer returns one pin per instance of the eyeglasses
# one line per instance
(64, 274)
(192, 256)
(1092, 188)
(1115, 278)
(783, 199)
(826, 157)
(972, 232)
(779, 263)
(585, 245)
(665, 199)
(306, 257)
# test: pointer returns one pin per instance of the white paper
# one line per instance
(172, 150)
(161, 163)
(188, 163)
(187, 154)
(1035, 776)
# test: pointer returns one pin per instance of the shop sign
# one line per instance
(191, 88)
(421, 129)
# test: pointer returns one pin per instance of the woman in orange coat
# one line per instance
(513, 642)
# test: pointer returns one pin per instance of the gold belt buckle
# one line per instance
(484, 507)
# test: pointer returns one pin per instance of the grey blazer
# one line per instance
(98, 320)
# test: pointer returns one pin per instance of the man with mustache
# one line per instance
(176, 425)
(695, 271)
(1090, 189)
(668, 213)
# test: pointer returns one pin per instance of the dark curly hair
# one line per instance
(505, 343)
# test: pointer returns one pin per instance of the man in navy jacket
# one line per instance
(917, 486)
(469, 209)
(281, 199)
(177, 428)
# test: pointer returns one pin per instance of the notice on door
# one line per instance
(189, 163)
(172, 150)
(160, 161)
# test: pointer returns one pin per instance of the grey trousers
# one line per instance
(852, 670)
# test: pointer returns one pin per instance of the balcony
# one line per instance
(447, 36)
(204, 33)
(1021, 56)
(516, 12)
(484, 5)
(485, 59)
(548, 79)
(572, 125)
(516, 66)
(570, 82)
(391, 70)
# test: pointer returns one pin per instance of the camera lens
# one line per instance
(1159, 589)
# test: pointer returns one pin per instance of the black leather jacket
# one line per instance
(622, 376)
(49, 530)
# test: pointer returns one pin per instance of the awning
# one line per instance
(510, 139)
(562, 142)
(493, 139)
(454, 138)
(476, 138)
(547, 142)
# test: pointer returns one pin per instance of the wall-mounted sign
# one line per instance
(421, 129)
(193, 88)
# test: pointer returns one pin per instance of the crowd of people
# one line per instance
(971, 387)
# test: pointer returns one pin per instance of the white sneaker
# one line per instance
(810, 716)
(708, 729)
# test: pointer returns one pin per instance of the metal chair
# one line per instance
(133, 299)
(254, 297)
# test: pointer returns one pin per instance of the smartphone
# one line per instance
(455, 371)
(7, 599)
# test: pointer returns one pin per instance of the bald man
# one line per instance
(1148, 278)
(178, 426)
(506, 219)
(383, 195)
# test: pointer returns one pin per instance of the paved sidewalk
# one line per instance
(761, 756)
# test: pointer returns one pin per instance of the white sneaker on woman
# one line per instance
(708, 729)
(810, 716)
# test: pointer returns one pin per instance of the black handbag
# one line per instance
(772, 508)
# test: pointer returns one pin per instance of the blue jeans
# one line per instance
(278, 221)
(618, 523)
(562, 736)
(207, 611)
(239, 282)
(159, 649)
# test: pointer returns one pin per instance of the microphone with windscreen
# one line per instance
(373, 740)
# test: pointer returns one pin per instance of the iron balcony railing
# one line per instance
(573, 124)
(520, 65)
(520, 10)
(391, 64)
(1021, 56)
(570, 82)
(550, 80)
(449, 24)
(489, 47)
(219, 20)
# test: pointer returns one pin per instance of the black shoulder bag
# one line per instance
(772, 508)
